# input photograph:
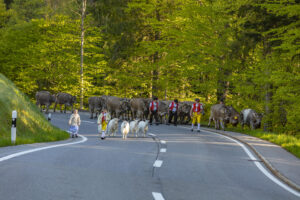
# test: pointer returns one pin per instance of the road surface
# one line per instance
(189, 166)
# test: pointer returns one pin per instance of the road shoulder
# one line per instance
(281, 163)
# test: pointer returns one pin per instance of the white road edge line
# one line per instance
(88, 122)
(258, 165)
(84, 139)
(163, 150)
(157, 196)
(163, 142)
(157, 163)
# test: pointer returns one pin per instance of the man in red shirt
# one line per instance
(153, 109)
(195, 113)
(173, 110)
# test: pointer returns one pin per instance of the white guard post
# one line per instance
(14, 127)
(49, 117)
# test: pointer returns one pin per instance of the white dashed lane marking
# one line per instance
(88, 122)
(157, 196)
(163, 150)
(157, 163)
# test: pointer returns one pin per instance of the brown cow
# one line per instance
(44, 98)
(66, 99)
(125, 108)
(184, 109)
(138, 108)
(163, 110)
(147, 102)
(220, 114)
(117, 106)
(95, 105)
(251, 118)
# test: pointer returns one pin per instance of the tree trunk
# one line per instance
(268, 89)
(83, 9)
(155, 73)
(268, 98)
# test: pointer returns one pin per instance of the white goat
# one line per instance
(125, 129)
(134, 127)
(143, 127)
(112, 127)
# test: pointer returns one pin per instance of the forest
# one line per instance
(245, 52)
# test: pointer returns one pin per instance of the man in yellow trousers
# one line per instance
(196, 111)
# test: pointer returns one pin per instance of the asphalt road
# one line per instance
(195, 166)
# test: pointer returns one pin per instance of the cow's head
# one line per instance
(257, 120)
(125, 105)
(52, 98)
(186, 108)
(234, 120)
(234, 116)
(227, 115)
(73, 99)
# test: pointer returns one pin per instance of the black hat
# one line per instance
(197, 99)
(175, 100)
(155, 98)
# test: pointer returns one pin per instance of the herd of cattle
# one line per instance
(138, 108)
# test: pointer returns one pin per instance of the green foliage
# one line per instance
(5, 15)
(244, 51)
(32, 126)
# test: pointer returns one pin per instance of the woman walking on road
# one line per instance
(102, 122)
(74, 123)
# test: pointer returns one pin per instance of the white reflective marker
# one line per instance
(14, 127)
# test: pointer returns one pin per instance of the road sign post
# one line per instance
(14, 127)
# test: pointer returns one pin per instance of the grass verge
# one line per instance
(32, 126)
(289, 142)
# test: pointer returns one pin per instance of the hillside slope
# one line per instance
(31, 124)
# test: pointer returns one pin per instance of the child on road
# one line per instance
(74, 123)
(102, 122)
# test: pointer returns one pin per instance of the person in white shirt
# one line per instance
(153, 109)
(196, 111)
(173, 110)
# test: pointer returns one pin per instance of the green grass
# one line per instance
(32, 126)
(289, 142)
